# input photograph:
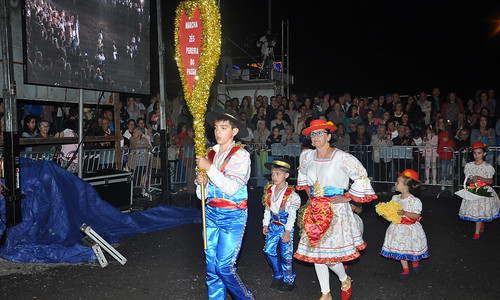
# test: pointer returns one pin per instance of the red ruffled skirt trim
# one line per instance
(366, 198)
(330, 260)
(301, 187)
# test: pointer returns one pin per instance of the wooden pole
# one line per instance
(203, 217)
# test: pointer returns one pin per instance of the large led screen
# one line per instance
(91, 44)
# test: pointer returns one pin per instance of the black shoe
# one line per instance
(173, 192)
(286, 287)
(276, 284)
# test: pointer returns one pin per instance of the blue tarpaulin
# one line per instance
(57, 203)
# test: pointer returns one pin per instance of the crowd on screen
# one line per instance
(56, 56)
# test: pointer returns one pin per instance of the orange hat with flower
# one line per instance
(319, 124)
(409, 173)
(478, 145)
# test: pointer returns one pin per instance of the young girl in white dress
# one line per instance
(406, 241)
(484, 209)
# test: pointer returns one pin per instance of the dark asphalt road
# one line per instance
(169, 264)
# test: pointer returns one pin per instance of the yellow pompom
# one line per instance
(389, 210)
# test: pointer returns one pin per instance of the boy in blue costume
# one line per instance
(281, 205)
(228, 171)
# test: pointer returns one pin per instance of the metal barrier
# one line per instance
(381, 163)
(182, 165)
(385, 162)
(55, 156)
(95, 159)
(155, 183)
(139, 164)
(290, 152)
(260, 154)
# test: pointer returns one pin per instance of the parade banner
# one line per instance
(198, 46)
(197, 52)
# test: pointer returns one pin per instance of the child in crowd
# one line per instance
(484, 209)
(406, 241)
(445, 150)
(281, 205)
(430, 142)
(274, 137)
(228, 171)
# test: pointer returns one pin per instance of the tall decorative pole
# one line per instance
(197, 52)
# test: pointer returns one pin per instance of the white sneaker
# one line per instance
(426, 181)
(434, 182)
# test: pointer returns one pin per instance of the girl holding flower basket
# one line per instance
(405, 238)
(480, 202)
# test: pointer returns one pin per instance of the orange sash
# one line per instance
(408, 221)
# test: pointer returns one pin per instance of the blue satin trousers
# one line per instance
(225, 230)
(282, 261)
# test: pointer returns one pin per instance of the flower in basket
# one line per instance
(389, 210)
(479, 188)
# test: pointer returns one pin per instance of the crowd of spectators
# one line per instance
(406, 120)
(443, 124)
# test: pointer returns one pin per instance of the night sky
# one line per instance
(368, 47)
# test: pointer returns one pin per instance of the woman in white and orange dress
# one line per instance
(329, 233)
